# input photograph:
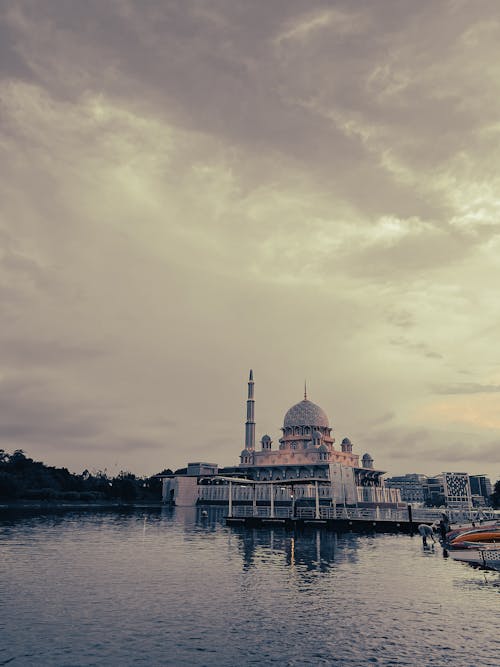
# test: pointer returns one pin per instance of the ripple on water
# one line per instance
(160, 588)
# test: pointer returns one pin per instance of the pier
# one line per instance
(340, 520)
(336, 517)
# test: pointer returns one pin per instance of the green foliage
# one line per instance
(495, 496)
(10, 486)
(22, 478)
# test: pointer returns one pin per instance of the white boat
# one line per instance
(484, 555)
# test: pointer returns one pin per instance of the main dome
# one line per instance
(306, 413)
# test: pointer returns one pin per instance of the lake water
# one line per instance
(164, 587)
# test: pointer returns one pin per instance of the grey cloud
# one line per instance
(382, 419)
(418, 347)
(135, 295)
(32, 413)
(422, 447)
(402, 318)
(227, 79)
(459, 451)
(413, 255)
(135, 445)
(400, 442)
(467, 388)
(35, 352)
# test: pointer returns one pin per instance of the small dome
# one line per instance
(266, 438)
(367, 461)
(346, 441)
(322, 448)
(306, 413)
(316, 435)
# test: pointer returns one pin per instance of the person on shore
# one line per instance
(444, 526)
(426, 532)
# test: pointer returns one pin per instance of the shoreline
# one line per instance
(76, 505)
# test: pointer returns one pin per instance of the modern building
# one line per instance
(306, 451)
(434, 492)
(481, 490)
(411, 486)
(416, 488)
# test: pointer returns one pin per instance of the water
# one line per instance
(157, 587)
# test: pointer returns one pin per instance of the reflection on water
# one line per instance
(173, 587)
(310, 549)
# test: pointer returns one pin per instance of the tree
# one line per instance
(125, 486)
(10, 486)
(495, 496)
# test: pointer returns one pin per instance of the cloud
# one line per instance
(32, 352)
(188, 190)
(468, 388)
(426, 451)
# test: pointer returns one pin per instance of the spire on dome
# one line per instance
(250, 378)
(305, 391)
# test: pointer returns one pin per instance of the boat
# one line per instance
(482, 555)
(477, 536)
(477, 545)
(485, 533)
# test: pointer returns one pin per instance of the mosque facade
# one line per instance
(306, 441)
(306, 450)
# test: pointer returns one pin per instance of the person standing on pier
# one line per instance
(444, 526)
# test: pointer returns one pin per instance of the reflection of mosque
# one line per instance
(309, 549)
(303, 549)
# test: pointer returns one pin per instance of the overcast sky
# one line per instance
(193, 188)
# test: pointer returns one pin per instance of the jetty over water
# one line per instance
(339, 518)
(336, 517)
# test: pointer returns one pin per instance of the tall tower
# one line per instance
(250, 422)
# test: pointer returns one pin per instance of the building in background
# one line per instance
(481, 490)
(443, 489)
(411, 487)
(434, 490)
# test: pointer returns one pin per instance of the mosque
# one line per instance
(306, 442)
(306, 451)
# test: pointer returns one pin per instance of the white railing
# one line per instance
(245, 493)
(246, 511)
(419, 515)
(366, 514)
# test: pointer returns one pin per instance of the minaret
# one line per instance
(250, 423)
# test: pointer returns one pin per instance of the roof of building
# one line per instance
(306, 413)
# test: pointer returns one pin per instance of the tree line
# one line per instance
(22, 478)
(495, 496)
